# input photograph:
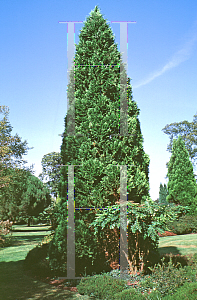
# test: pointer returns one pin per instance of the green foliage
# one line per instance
(35, 198)
(188, 132)
(17, 183)
(11, 148)
(184, 225)
(36, 261)
(129, 294)
(187, 292)
(51, 165)
(50, 214)
(98, 89)
(97, 117)
(26, 196)
(163, 192)
(181, 184)
(144, 222)
(11, 194)
(101, 286)
(154, 295)
(86, 248)
(58, 246)
(165, 278)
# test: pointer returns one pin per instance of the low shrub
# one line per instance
(101, 286)
(187, 292)
(154, 295)
(129, 294)
(36, 254)
(185, 225)
(36, 261)
(179, 260)
(166, 278)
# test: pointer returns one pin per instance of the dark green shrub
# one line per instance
(36, 261)
(101, 286)
(176, 259)
(187, 292)
(57, 251)
(129, 294)
(20, 221)
(185, 225)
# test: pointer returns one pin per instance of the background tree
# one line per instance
(11, 195)
(35, 198)
(182, 183)
(25, 196)
(163, 192)
(188, 132)
(12, 148)
(51, 165)
(21, 192)
(97, 112)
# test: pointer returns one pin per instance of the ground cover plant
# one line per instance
(186, 292)
(165, 280)
(167, 277)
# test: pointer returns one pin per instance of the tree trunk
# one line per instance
(29, 222)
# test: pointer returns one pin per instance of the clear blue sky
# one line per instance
(162, 63)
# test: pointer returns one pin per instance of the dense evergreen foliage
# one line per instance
(97, 115)
(25, 196)
(163, 192)
(182, 184)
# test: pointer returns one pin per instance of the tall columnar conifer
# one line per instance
(163, 192)
(98, 88)
(182, 183)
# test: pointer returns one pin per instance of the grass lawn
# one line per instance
(179, 244)
(16, 284)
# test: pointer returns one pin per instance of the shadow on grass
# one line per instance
(22, 240)
(170, 249)
(16, 284)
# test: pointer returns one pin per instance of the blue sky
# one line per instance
(162, 63)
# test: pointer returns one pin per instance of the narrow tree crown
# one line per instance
(182, 183)
(99, 89)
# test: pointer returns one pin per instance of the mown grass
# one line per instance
(180, 244)
(17, 284)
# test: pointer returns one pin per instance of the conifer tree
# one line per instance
(163, 192)
(98, 92)
(182, 183)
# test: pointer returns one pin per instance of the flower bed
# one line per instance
(166, 233)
